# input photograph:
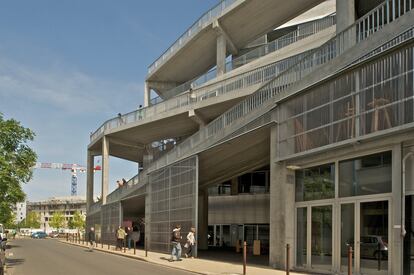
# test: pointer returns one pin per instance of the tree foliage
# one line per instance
(32, 221)
(57, 221)
(16, 160)
(78, 220)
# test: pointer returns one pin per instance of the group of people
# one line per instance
(121, 182)
(176, 239)
(131, 235)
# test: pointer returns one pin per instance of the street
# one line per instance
(46, 256)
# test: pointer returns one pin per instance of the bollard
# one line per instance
(67, 237)
(146, 246)
(350, 260)
(124, 245)
(244, 257)
(101, 243)
(287, 258)
(135, 247)
(108, 245)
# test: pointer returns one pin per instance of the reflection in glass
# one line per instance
(321, 237)
(374, 237)
(365, 176)
(409, 237)
(301, 237)
(347, 233)
(315, 183)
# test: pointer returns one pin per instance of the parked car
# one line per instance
(372, 246)
(54, 234)
(39, 235)
(3, 243)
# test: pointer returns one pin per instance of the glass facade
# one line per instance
(301, 236)
(315, 183)
(321, 239)
(365, 176)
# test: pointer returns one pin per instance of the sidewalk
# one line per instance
(199, 266)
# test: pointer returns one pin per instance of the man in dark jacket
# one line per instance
(91, 237)
(176, 245)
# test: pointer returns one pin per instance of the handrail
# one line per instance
(179, 98)
(370, 23)
(206, 19)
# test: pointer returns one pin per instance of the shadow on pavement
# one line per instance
(14, 262)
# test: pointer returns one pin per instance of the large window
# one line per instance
(255, 182)
(365, 176)
(315, 183)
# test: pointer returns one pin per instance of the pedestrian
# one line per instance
(91, 237)
(190, 243)
(175, 241)
(128, 232)
(120, 237)
(140, 110)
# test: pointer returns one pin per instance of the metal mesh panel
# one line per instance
(374, 97)
(110, 222)
(173, 200)
(94, 220)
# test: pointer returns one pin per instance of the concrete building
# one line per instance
(46, 208)
(20, 212)
(303, 137)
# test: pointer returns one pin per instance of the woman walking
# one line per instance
(190, 243)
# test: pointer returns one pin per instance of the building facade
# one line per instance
(66, 205)
(20, 212)
(275, 132)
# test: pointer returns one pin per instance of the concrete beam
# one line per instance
(345, 14)
(282, 208)
(89, 180)
(220, 30)
(196, 117)
(147, 95)
(161, 86)
(105, 169)
(127, 143)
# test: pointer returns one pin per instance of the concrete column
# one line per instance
(397, 254)
(234, 186)
(202, 240)
(221, 54)
(147, 95)
(105, 168)
(282, 205)
(345, 14)
(89, 180)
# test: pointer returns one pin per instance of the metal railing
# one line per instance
(95, 207)
(370, 23)
(244, 80)
(180, 99)
(206, 19)
(304, 30)
(133, 184)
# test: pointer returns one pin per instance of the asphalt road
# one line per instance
(50, 257)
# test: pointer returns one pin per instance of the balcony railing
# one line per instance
(95, 207)
(304, 30)
(133, 184)
(179, 98)
(247, 79)
(370, 23)
(205, 20)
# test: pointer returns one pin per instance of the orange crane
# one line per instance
(73, 167)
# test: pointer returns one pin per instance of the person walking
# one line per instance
(91, 237)
(175, 241)
(128, 232)
(190, 243)
(120, 237)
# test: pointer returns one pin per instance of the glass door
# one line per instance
(347, 235)
(373, 237)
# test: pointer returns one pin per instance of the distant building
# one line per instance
(66, 205)
(20, 212)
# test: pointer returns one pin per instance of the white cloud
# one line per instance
(71, 91)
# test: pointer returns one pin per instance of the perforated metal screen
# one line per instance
(110, 222)
(173, 195)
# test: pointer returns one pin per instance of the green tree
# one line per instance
(78, 221)
(32, 220)
(57, 221)
(16, 161)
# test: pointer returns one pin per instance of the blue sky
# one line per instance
(67, 66)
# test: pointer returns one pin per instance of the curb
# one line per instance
(136, 258)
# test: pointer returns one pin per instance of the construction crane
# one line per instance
(74, 168)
